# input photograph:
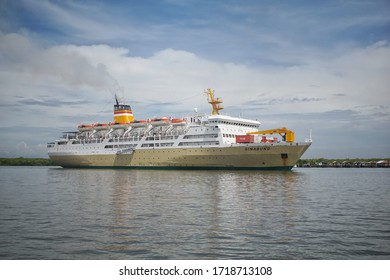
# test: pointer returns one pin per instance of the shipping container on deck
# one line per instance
(245, 138)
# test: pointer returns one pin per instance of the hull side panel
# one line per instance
(238, 157)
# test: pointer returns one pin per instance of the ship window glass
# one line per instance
(166, 144)
(148, 145)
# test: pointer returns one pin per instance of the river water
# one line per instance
(56, 213)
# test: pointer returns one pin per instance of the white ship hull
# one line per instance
(240, 156)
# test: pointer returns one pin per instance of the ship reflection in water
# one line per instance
(198, 214)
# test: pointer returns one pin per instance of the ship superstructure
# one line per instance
(212, 141)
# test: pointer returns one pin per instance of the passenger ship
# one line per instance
(215, 141)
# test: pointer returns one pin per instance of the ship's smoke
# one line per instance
(64, 63)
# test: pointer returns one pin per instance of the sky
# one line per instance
(308, 65)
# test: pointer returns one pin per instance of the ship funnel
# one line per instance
(122, 113)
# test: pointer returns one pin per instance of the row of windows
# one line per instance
(119, 146)
(150, 145)
(203, 143)
(174, 151)
(200, 136)
(88, 141)
(235, 123)
(229, 135)
(157, 137)
(121, 139)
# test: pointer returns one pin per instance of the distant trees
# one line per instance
(21, 161)
(356, 162)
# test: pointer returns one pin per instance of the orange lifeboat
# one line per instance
(160, 121)
(101, 126)
(85, 127)
(177, 122)
(140, 123)
(118, 125)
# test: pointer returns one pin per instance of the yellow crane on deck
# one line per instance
(286, 134)
(214, 101)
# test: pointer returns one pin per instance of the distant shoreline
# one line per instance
(21, 161)
(319, 162)
(345, 163)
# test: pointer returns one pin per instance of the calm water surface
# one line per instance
(55, 213)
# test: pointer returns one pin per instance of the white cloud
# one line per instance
(24, 149)
(61, 62)
(66, 84)
(354, 79)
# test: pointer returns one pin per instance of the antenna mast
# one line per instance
(215, 102)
